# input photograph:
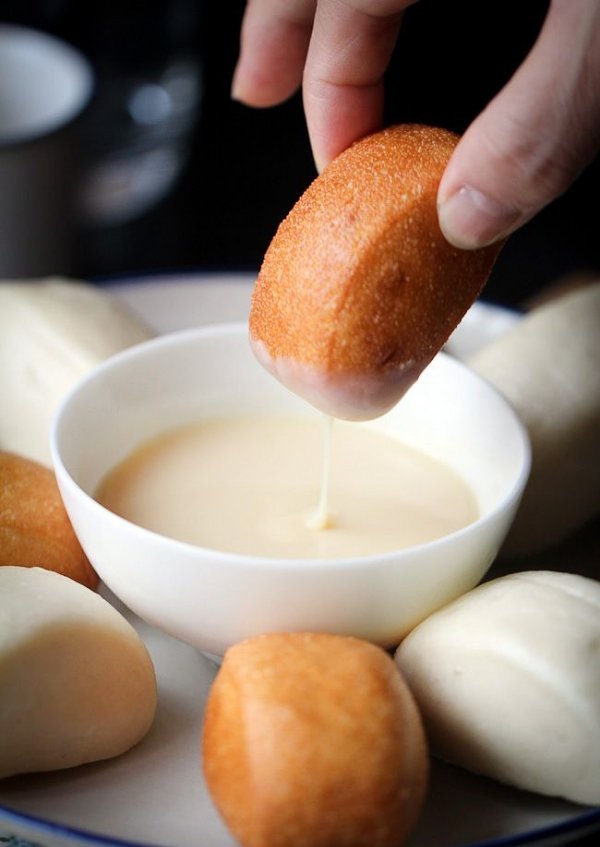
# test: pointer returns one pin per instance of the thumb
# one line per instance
(533, 139)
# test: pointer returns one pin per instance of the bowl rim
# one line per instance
(148, 536)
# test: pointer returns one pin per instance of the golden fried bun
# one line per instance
(359, 289)
(34, 526)
(314, 740)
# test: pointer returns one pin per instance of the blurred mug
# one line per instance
(45, 85)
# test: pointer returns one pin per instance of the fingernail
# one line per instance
(320, 162)
(236, 91)
(239, 86)
(470, 219)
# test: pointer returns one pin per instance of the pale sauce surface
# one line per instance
(250, 485)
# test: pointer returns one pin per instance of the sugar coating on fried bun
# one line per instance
(359, 289)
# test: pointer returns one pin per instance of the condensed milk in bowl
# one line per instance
(218, 505)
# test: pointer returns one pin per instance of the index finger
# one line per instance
(274, 41)
(350, 49)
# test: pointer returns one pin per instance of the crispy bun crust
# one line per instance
(314, 740)
(34, 527)
(359, 289)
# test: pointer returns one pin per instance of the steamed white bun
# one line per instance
(507, 678)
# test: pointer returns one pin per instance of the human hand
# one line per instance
(527, 146)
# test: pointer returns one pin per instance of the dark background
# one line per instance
(245, 168)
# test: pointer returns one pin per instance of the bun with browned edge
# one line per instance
(359, 289)
(35, 529)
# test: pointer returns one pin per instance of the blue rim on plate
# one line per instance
(586, 823)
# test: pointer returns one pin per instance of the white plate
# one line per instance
(155, 795)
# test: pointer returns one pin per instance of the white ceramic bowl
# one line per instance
(212, 599)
